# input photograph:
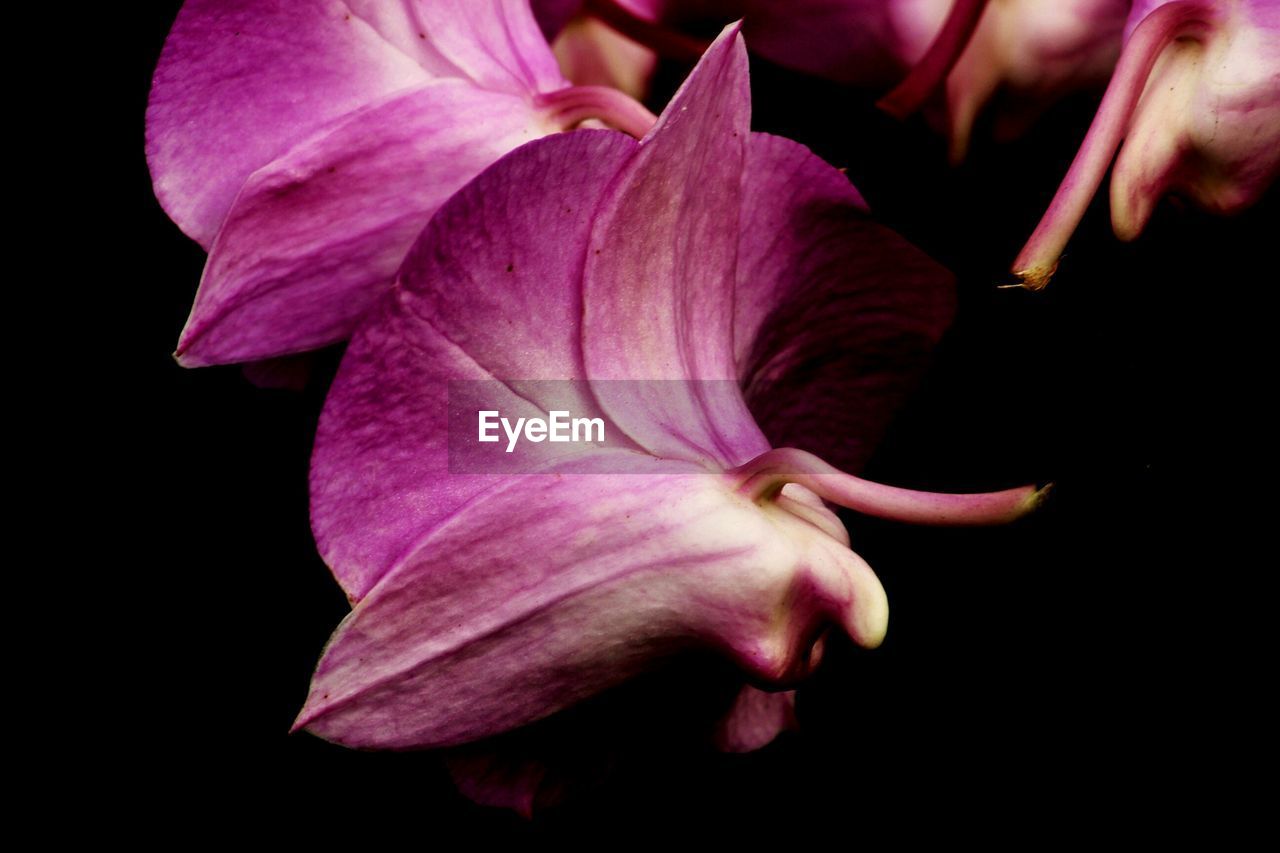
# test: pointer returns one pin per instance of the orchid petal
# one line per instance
(473, 626)
(479, 631)
(241, 82)
(315, 139)
(380, 474)
(836, 315)
(317, 234)
(495, 43)
(658, 284)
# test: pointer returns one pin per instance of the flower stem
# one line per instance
(763, 477)
(932, 69)
(1039, 258)
(574, 104)
(658, 38)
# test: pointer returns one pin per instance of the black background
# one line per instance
(1088, 664)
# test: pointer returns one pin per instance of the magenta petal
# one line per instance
(318, 233)
(836, 315)
(495, 43)
(515, 608)
(241, 82)
(658, 284)
(554, 589)
(380, 478)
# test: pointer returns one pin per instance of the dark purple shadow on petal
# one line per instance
(837, 315)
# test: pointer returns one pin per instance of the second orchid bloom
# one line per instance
(305, 144)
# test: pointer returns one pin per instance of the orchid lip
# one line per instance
(762, 479)
(1038, 260)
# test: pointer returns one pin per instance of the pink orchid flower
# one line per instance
(1194, 108)
(721, 302)
(306, 143)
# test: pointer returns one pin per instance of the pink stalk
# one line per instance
(763, 477)
(661, 40)
(932, 69)
(1039, 258)
(577, 103)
